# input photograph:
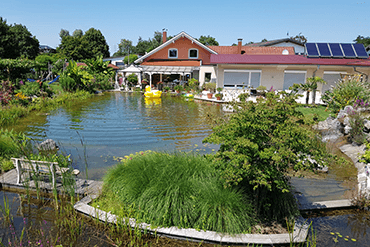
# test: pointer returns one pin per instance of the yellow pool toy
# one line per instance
(152, 93)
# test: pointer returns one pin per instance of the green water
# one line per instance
(117, 124)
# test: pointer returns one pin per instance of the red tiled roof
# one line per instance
(284, 59)
(252, 50)
(113, 66)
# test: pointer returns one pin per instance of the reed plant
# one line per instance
(179, 189)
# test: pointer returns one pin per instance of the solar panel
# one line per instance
(348, 51)
(311, 50)
(360, 50)
(336, 50)
(324, 49)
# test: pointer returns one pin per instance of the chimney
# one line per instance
(240, 46)
(164, 39)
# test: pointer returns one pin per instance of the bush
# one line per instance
(67, 83)
(259, 144)
(180, 190)
(210, 86)
(30, 88)
(346, 92)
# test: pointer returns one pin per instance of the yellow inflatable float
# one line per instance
(152, 93)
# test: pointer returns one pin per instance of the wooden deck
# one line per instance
(82, 188)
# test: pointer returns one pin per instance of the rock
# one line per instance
(47, 145)
(346, 121)
(347, 129)
(366, 126)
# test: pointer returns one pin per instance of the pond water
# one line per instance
(117, 124)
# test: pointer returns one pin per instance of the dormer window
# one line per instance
(193, 53)
(172, 53)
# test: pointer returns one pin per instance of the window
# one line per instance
(331, 77)
(242, 78)
(193, 53)
(172, 53)
(293, 77)
(207, 77)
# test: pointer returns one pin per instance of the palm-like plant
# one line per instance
(312, 82)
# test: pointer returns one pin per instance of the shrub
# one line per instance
(357, 126)
(30, 88)
(67, 83)
(132, 79)
(210, 86)
(259, 144)
(180, 190)
(346, 92)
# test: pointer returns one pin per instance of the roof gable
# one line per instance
(276, 41)
(180, 35)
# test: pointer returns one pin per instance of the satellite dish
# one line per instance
(285, 52)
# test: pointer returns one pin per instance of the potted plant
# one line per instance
(218, 96)
(166, 89)
(210, 86)
(178, 88)
(144, 82)
(160, 85)
(261, 90)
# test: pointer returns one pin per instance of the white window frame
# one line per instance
(243, 71)
(177, 52)
(194, 50)
(296, 72)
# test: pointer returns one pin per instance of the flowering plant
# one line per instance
(159, 82)
(144, 81)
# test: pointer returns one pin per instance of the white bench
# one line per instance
(44, 167)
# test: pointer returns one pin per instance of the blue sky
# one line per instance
(320, 21)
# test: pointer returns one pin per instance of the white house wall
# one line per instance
(273, 75)
(206, 69)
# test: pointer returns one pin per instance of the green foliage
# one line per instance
(78, 48)
(79, 74)
(6, 91)
(178, 88)
(362, 40)
(124, 48)
(311, 86)
(260, 143)
(261, 87)
(243, 97)
(30, 88)
(68, 83)
(193, 83)
(357, 126)
(208, 40)
(130, 59)
(346, 92)
(180, 190)
(132, 79)
(300, 38)
(320, 112)
(6, 165)
(16, 41)
(52, 156)
(210, 86)
(41, 65)
(365, 158)
(12, 143)
(12, 69)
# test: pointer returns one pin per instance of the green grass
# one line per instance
(10, 114)
(311, 112)
(179, 189)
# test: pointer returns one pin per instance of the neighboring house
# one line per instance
(46, 49)
(287, 42)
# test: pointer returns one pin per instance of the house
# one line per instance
(179, 58)
(276, 64)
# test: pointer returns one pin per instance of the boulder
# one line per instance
(366, 126)
(48, 145)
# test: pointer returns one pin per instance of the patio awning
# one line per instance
(182, 70)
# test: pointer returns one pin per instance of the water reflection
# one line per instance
(117, 124)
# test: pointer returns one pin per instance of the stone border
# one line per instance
(299, 235)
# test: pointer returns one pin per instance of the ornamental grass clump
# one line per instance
(179, 189)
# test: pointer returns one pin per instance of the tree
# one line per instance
(259, 144)
(74, 48)
(124, 48)
(42, 64)
(130, 59)
(208, 40)
(362, 40)
(142, 46)
(78, 33)
(17, 41)
(97, 45)
(264, 40)
(90, 45)
(300, 38)
(63, 33)
(313, 81)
